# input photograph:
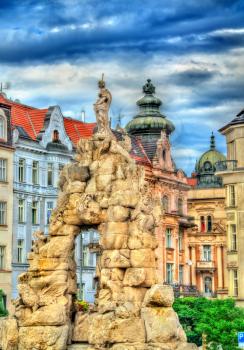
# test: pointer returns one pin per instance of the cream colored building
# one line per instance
(6, 201)
(207, 240)
(232, 173)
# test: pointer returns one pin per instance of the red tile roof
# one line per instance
(192, 181)
(31, 120)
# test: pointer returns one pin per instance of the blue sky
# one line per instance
(54, 51)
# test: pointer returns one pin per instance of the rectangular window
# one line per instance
(21, 170)
(168, 238)
(232, 196)
(3, 170)
(233, 237)
(207, 253)
(2, 257)
(235, 283)
(35, 172)
(202, 224)
(85, 256)
(180, 239)
(180, 206)
(169, 273)
(34, 213)
(50, 174)
(49, 210)
(60, 168)
(3, 213)
(21, 210)
(20, 251)
(181, 273)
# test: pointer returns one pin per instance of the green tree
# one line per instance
(219, 319)
(3, 311)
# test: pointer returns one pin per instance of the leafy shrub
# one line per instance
(219, 319)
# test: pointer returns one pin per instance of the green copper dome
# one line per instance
(205, 166)
(149, 116)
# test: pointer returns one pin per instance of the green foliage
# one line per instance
(82, 305)
(3, 311)
(219, 319)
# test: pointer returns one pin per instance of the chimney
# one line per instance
(83, 116)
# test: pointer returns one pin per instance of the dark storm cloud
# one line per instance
(56, 30)
(191, 77)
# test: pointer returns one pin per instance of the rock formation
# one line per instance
(103, 188)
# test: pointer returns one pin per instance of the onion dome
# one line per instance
(149, 122)
(205, 166)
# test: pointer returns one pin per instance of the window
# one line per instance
(35, 172)
(34, 210)
(85, 256)
(233, 237)
(180, 206)
(207, 253)
(49, 210)
(209, 223)
(180, 239)
(2, 257)
(49, 174)
(165, 202)
(181, 273)
(20, 250)
(232, 196)
(169, 273)
(168, 238)
(3, 169)
(208, 285)
(21, 210)
(235, 283)
(202, 223)
(21, 170)
(2, 127)
(3, 213)
(60, 168)
(55, 136)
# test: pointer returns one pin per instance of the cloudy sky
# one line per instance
(54, 51)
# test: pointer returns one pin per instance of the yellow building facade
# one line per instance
(207, 239)
(6, 201)
(232, 173)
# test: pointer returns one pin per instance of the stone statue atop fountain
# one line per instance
(101, 108)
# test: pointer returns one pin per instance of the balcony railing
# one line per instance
(183, 290)
(226, 165)
(205, 264)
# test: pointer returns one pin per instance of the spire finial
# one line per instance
(212, 141)
(149, 88)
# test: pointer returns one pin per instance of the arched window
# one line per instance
(2, 127)
(180, 206)
(55, 136)
(165, 203)
(202, 224)
(209, 223)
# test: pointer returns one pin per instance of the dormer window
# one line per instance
(3, 127)
(55, 136)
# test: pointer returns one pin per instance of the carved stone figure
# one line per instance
(101, 108)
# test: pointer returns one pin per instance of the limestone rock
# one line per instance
(99, 328)
(51, 315)
(116, 228)
(113, 241)
(142, 276)
(76, 187)
(43, 338)
(142, 258)
(126, 198)
(67, 230)
(127, 330)
(141, 240)
(159, 295)
(78, 172)
(162, 325)
(115, 258)
(9, 335)
(81, 327)
(58, 247)
(187, 346)
(118, 213)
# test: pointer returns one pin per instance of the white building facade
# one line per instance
(39, 157)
